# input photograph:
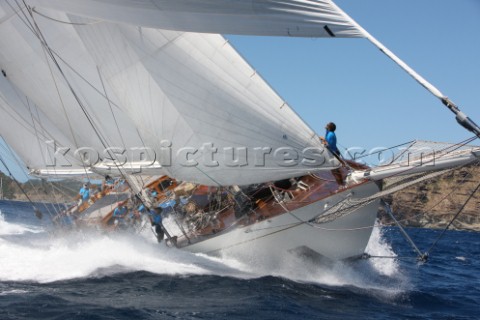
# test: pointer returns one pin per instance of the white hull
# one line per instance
(342, 238)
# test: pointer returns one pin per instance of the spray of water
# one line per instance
(47, 258)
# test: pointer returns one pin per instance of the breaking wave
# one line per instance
(31, 254)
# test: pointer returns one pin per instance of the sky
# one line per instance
(373, 102)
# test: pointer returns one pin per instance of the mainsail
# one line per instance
(189, 95)
(297, 18)
(48, 90)
(131, 73)
(194, 90)
(30, 133)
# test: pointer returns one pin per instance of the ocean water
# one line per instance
(99, 276)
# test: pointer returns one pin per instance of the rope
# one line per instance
(421, 256)
(20, 165)
(441, 200)
(65, 22)
(454, 218)
(37, 212)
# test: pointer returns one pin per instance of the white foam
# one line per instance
(12, 292)
(76, 256)
(382, 277)
(79, 255)
(7, 228)
(377, 246)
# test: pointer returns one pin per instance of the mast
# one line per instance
(461, 117)
(1, 188)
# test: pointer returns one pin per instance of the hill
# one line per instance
(433, 203)
(39, 190)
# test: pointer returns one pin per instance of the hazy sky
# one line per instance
(373, 102)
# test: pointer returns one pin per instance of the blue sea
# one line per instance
(73, 275)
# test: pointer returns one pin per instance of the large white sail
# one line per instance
(28, 67)
(298, 18)
(31, 134)
(194, 91)
(181, 90)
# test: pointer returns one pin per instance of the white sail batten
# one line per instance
(188, 90)
(297, 18)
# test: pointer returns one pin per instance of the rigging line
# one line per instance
(63, 106)
(145, 146)
(250, 209)
(367, 200)
(307, 222)
(30, 128)
(457, 146)
(405, 258)
(102, 139)
(62, 187)
(20, 9)
(253, 239)
(37, 212)
(83, 78)
(83, 108)
(113, 114)
(313, 175)
(421, 256)
(44, 133)
(41, 150)
(14, 114)
(65, 22)
(280, 202)
(306, 128)
(461, 117)
(454, 218)
(20, 165)
(36, 131)
(379, 151)
(351, 205)
(36, 31)
(447, 195)
(38, 35)
(411, 144)
(110, 102)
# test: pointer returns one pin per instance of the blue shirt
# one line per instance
(331, 139)
(119, 212)
(157, 218)
(85, 193)
(166, 204)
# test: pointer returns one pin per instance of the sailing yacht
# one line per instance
(151, 91)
